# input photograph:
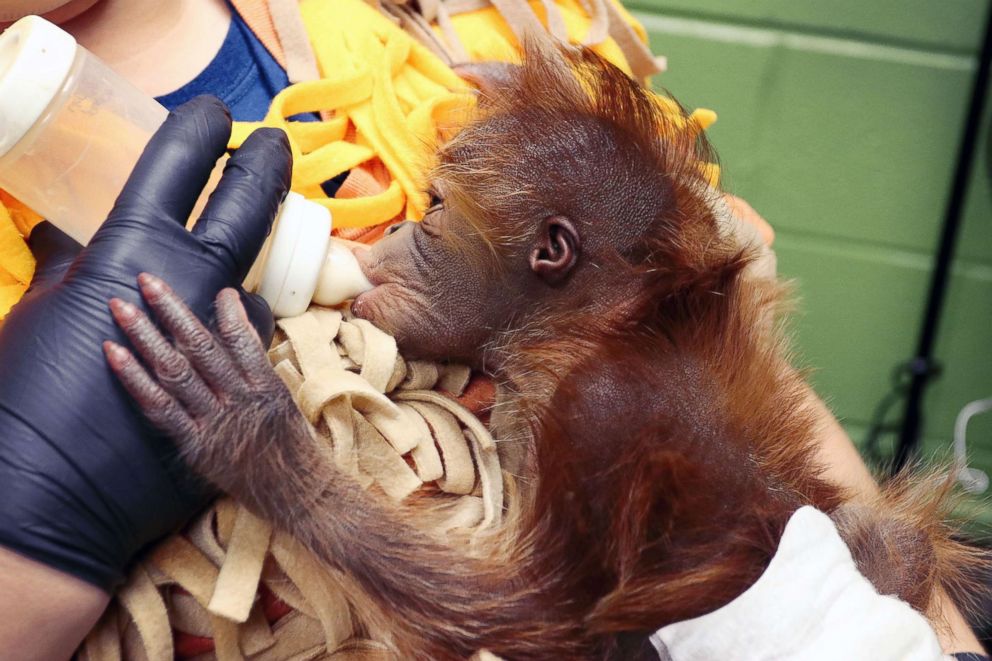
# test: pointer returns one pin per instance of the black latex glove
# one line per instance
(84, 481)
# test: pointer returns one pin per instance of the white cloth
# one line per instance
(812, 604)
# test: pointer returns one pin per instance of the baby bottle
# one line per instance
(71, 131)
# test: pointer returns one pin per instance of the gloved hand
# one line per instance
(85, 483)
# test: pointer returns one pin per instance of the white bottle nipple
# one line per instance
(303, 263)
(341, 277)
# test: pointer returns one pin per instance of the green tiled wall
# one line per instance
(840, 122)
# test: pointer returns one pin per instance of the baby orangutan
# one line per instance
(574, 251)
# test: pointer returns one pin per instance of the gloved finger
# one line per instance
(176, 164)
(240, 211)
(258, 312)
(54, 251)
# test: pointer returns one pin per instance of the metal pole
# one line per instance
(922, 366)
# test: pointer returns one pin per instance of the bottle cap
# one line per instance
(35, 59)
(296, 255)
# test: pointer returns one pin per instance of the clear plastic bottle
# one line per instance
(71, 131)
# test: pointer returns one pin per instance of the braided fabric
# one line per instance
(253, 590)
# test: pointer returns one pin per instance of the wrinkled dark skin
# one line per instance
(200, 377)
(433, 298)
(426, 314)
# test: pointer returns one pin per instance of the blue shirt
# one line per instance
(246, 77)
(243, 75)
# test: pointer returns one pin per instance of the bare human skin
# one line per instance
(56, 12)
(158, 46)
(578, 259)
(44, 613)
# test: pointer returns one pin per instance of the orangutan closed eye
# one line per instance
(573, 250)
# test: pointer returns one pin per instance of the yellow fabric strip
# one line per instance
(16, 263)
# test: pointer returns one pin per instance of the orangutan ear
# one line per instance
(556, 249)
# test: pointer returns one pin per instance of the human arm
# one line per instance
(44, 613)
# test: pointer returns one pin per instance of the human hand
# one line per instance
(746, 213)
(84, 481)
(749, 230)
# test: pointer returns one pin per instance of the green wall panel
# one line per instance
(953, 25)
(975, 242)
(857, 316)
(822, 135)
(964, 349)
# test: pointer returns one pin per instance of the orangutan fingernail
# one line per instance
(116, 354)
(151, 285)
(123, 310)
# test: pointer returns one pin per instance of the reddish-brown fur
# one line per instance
(669, 436)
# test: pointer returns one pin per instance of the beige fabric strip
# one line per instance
(104, 642)
(425, 456)
(186, 565)
(234, 593)
(642, 63)
(464, 415)
(490, 479)
(225, 639)
(599, 26)
(256, 634)
(456, 7)
(556, 22)
(314, 583)
(378, 356)
(606, 20)
(301, 64)
(144, 603)
(383, 420)
(298, 638)
(521, 20)
(454, 379)
(454, 43)
(380, 460)
(459, 472)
